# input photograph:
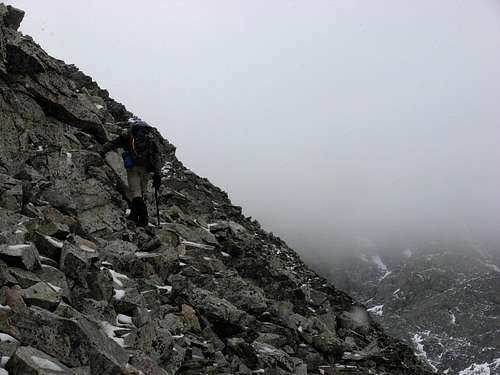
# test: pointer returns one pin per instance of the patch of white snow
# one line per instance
(18, 247)
(117, 276)
(45, 364)
(110, 329)
(377, 310)
(494, 267)
(54, 242)
(7, 338)
(3, 361)
(123, 319)
(381, 265)
(168, 288)
(56, 288)
(119, 294)
(475, 369)
(88, 249)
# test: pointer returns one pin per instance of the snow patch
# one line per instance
(494, 267)
(18, 247)
(453, 318)
(123, 319)
(109, 330)
(377, 310)
(119, 294)
(7, 338)
(45, 364)
(55, 288)
(3, 371)
(381, 265)
(197, 245)
(88, 249)
(98, 106)
(168, 288)
(417, 339)
(117, 276)
(385, 275)
(3, 361)
(475, 369)
(54, 242)
(363, 258)
(496, 363)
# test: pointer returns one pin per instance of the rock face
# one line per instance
(82, 292)
(444, 300)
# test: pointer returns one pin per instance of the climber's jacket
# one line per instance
(139, 144)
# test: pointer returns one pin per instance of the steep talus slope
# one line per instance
(442, 299)
(209, 292)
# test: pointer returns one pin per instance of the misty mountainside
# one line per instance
(444, 300)
(84, 292)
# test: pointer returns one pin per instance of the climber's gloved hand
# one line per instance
(156, 181)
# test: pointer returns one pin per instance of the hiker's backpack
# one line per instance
(143, 147)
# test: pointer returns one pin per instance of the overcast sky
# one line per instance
(331, 122)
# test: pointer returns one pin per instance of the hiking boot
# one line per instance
(142, 213)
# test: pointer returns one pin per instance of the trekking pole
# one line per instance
(157, 207)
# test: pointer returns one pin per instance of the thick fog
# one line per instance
(337, 124)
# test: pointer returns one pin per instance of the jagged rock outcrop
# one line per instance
(82, 292)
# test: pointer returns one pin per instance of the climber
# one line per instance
(141, 156)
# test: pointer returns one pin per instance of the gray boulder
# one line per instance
(23, 277)
(48, 246)
(22, 255)
(11, 193)
(43, 295)
(12, 17)
(75, 262)
(30, 361)
(55, 278)
(72, 340)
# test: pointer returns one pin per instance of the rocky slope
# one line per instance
(83, 292)
(444, 300)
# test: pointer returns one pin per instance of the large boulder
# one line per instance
(72, 340)
(11, 193)
(43, 295)
(12, 17)
(55, 278)
(48, 246)
(75, 262)
(22, 255)
(30, 361)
